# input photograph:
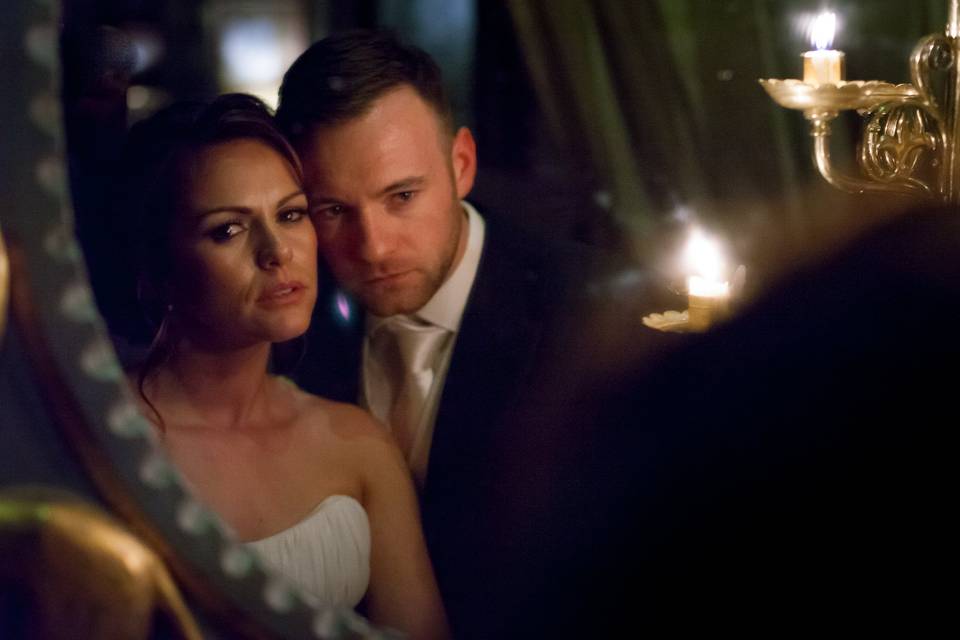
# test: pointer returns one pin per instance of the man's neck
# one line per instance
(445, 308)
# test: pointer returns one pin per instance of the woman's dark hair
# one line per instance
(154, 168)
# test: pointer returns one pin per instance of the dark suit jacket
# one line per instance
(513, 411)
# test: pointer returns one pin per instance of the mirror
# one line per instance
(672, 130)
(69, 418)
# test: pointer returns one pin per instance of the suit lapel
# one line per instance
(492, 358)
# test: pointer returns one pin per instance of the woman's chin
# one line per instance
(289, 330)
(242, 333)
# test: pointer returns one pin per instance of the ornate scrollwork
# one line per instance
(896, 139)
(932, 55)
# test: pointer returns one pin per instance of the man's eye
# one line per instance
(404, 196)
(291, 215)
(225, 232)
(330, 211)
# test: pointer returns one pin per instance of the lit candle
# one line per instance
(708, 293)
(824, 65)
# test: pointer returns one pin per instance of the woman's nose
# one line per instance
(273, 252)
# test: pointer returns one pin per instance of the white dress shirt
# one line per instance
(444, 309)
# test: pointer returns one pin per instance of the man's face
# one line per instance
(385, 190)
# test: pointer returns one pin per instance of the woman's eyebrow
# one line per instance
(236, 208)
(227, 208)
(284, 200)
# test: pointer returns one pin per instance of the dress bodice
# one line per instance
(327, 554)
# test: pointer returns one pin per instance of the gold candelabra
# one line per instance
(911, 137)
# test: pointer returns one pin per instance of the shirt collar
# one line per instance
(445, 308)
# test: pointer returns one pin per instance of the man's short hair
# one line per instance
(340, 77)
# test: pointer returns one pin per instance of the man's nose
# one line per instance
(373, 236)
(273, 251)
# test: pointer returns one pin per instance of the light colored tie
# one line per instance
(408, 347)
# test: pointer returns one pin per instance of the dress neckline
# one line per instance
(335, 498)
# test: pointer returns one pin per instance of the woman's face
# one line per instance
(244, 251)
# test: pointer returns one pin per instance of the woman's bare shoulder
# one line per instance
(349, 437)
(343, 421)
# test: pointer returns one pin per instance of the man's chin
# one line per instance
(390, 308)
(391, 303)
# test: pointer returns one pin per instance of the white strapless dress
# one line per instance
(327, 554)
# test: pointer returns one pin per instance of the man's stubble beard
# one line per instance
(407, 300)
(431, 279)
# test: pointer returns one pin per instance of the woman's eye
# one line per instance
(225, 232)
(292, 215)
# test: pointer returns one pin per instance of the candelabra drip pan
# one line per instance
(856, 94)
(671, 321)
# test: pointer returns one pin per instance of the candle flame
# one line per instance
(704, 257)
(822, 30)
(704, 288)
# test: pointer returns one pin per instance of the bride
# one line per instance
(226, 258)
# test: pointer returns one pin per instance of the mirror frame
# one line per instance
(83, 384)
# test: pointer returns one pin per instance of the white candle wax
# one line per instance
(707, 302)
(823, 67)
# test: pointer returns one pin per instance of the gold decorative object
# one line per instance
(4, 284)
(912, 131)
(74, 569)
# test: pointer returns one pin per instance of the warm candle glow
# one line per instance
(822, 30)
(708, 292)
(700, 286)
(823, 66)
(703, 257)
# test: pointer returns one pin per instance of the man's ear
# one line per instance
(463, 157)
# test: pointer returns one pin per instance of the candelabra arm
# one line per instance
(820, 130)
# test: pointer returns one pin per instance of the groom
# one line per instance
(460, 319)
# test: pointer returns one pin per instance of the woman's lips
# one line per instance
(282, 294)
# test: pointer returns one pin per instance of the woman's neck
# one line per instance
(222, 389)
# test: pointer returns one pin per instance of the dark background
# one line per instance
(618, 124)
